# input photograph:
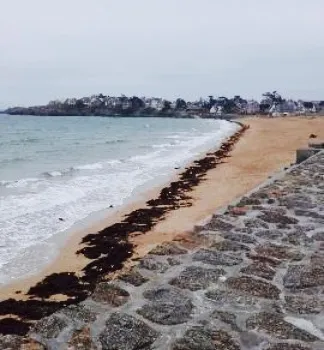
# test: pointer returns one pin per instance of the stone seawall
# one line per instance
(250, 278)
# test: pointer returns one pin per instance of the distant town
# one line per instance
(272, 104)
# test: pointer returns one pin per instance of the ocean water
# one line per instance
(70, 167)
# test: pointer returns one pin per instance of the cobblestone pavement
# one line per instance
(255, 282)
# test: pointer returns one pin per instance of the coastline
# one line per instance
(226, 177)
(67, 257)
(268, 146)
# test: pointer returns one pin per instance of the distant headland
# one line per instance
(272, 104)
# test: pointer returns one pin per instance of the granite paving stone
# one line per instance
(203, 338)
(167, 306)
(253, 286)
(111, 294)
(168, 249)
(50, 327)
(133, 277)
(214, 257)
(124, 332)
(274, 324)
(195, 278)
(260, 269)
(300, 304)
(230, 246)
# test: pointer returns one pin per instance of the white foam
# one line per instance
(53, 173)
(163, 145)
(94, 166)
(21, 183)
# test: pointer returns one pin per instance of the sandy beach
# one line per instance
(266, 148)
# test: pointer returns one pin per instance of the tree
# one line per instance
(137, 103)
(308, 105)
(166, 105)
(181, 104)
(79, 104)
(274, 97)
(211, 102)
(264, 107)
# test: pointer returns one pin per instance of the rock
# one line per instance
(255, 223)
(252, 286)
(124, 332)
(50, 327)
(173, 262)
(167, 306)
(278, 252)
(308, 213)
(275, 325)
(260, 195)
(217, 224)
(213, 257)
(297, 201)
(304, 305)
(228, 245)
(297, 238)
(271, 216)
(260, 269)
(249, 201)
(264, 259)
(231, 298)
(81, 340)
(304, 276)
(10, 342)
(270, 234)
(111, 294)
(169, 248)
(200, 338)
(133, 277)
(195, 278)
(239, 237)
(80, 313)
(319, 236)
(152, 264)
(226, 317)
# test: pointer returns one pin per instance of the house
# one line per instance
(156, 103)
(289, 107)
(252, 107)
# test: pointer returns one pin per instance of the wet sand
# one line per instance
(267, 147)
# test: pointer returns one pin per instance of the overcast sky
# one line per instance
(170, 48)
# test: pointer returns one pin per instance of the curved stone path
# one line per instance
(252, 278)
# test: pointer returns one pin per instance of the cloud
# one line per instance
(169, 48)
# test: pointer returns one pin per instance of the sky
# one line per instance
(169, 48)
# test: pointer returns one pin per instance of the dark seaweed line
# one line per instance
(108, 249)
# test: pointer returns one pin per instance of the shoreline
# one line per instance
(107, 250)
(126, 217)
(224, 178)
(67, 242)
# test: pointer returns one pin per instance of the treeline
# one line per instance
(104, 105)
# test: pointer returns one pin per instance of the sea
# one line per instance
(56, 172)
